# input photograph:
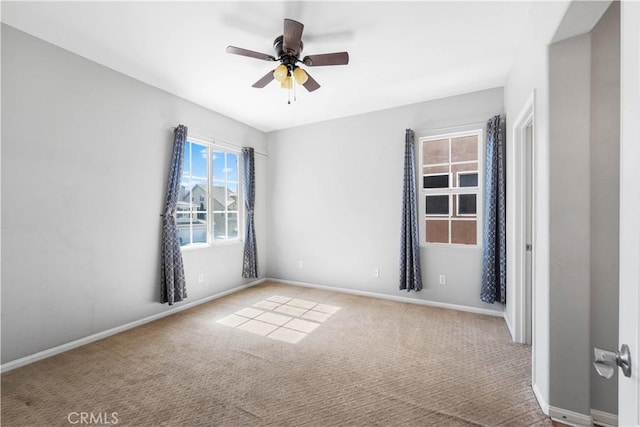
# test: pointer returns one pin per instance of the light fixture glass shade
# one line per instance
(287, 83)
(300, 76)
(280, 73)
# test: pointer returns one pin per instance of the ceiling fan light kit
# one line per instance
(287, 83)
(288, 48)
(300, 75)
(280, 73)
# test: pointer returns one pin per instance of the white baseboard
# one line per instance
(393, 297)
(100, 335)
(604, 419)
(570, 418)
(540, 398)
(509, 326)
(598, 418)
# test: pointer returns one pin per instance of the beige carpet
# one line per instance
(371, 363)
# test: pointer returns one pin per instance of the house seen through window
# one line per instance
(451, 170)
(208, 203)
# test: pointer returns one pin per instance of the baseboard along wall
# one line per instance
(100, 335)
(599, 418)
(544, 405)
(570, 418)
(604, 419)
(6, 367)
(510, 327)
(392, 297)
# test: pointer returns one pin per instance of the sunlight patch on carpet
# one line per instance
(281, 318)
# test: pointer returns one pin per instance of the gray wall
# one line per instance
(605, 198)
(570, 227)
(85, 155)
(584, 233)
(70, 270)
(574, 258)
(336, 197)
(530, 74)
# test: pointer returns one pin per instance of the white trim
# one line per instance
(439, 215)
(509, 325)
(525, 118)
(429, 136)
(239, 194)
(211, 183)
(540, 398)
(465, 216)
(447, 174)
(23, 361)
(604, 419)
(570, 418)
(226, 146)
(441, 132)
(516, 251)
(218, 141)
(629, 276)
(435, 165)
(475, 172)
(461, 162)
(393, 297)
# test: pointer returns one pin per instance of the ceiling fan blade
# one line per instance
(250, 53)
(292, 36)
(264, 80)
(311, 84)
(338, 58)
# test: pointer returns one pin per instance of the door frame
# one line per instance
(525, 119)
(629, 281)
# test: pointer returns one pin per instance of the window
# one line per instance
(208, 203)
(450, 172)
(225, 195)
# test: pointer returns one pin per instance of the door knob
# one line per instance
(605, 361)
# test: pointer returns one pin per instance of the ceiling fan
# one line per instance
(288, 48)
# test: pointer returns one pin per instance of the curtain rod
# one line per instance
(217, 141)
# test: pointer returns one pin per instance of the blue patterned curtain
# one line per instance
(494, 254)
(410, 274)
(173, 288)
(250, 261)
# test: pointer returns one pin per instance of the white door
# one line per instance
(629, 387)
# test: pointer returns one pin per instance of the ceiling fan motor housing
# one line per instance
(289, 57)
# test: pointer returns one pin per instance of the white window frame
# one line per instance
(462, 131)
(466, 173)
(240, 203)
(212, 146)
(436, 174)
(462, 215)
(432, 215)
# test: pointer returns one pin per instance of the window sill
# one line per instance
(210, 245)
(449, 245)
(227, 243)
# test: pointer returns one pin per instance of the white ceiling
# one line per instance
(400, 52)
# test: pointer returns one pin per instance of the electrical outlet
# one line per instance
(200, 277)
(300, 264)
(376, 272)
(443, 279)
